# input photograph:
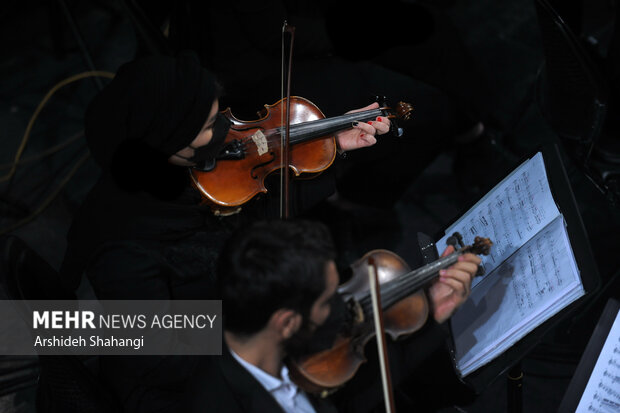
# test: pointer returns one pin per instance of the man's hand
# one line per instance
(453, 286)
(363, 134)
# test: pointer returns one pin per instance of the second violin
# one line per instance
(405, 310)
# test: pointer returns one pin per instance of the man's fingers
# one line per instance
(449, 250)
(469, 267)
(459, 280)
(470, 258)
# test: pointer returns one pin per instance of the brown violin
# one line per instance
(252, 149)
(405, 310)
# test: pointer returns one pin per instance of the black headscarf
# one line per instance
(157, 101)
(153, 107)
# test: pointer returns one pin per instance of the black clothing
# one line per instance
(363, 393)
(160, 102)
(155, 270)
(141, 233)
(182, 269)
(153, 107)
(221, 384)
(111, 215)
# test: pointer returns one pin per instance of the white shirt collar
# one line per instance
(269, 382)
(283, 390)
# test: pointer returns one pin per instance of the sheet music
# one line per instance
(532, 285)
(602, 393)
(510, 214)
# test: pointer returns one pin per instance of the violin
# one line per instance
(252, 149)
(405, 310)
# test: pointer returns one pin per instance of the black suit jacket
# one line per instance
(221, 384)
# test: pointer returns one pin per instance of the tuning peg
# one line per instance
(398, 132)
(382, 100)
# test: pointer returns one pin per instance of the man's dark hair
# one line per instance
(272, 265)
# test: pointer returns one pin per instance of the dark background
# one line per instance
(503, 40)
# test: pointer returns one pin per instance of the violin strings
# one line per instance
(408, 283)
(393, 294)
(296, 130)
(273, 143)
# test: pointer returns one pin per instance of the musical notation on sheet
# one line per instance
(531, 286)
(602, 393)
(519, 207)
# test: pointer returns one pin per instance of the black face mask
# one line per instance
(309, 340)
(208, 153)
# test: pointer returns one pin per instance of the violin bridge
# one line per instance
(260, 140)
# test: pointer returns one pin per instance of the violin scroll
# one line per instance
(403, 110)
(482, 246)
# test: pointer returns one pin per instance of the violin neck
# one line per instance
(406, 284)
(306, 131)
(412, 281)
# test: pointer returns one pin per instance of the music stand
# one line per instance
(563, 195)
(590, 356)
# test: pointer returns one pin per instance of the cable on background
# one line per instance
(17, 159)
(34, 116)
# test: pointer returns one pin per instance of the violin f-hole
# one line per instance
(253, 173)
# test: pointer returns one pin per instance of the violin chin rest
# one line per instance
(206, 165)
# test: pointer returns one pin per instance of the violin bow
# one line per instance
(388, 394)
(285, 144)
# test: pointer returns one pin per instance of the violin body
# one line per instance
(233, 182)
(329, 369)
(404, 317)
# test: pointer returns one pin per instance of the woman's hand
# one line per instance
(363, 133)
